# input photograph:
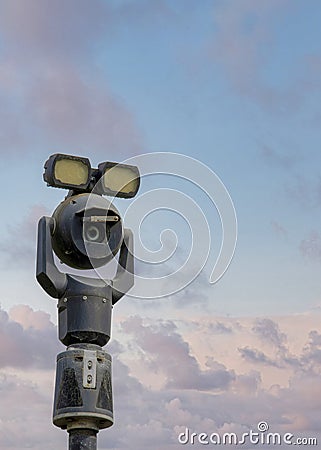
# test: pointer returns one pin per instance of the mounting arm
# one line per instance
(124, 278)
(49, 277)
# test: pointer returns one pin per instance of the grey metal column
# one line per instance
(82, 440)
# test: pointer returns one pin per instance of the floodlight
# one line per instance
(119, 180)
(75, 173)
(67, 171)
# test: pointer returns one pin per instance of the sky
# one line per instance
(218, 103)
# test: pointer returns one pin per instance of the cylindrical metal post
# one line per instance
(83, 393)
(82, 439)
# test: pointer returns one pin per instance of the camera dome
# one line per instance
(88, 231)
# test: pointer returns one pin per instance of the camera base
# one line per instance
(83, 392)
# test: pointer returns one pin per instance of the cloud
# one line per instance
(148, 415)
(311, 357)
(247, 384)
(171, 355)
(83, 114)
(277, 159)
(32, 344)
(310, 247)
(28, 318)
(269, 331)
(279, 229)
(25, 413)
(275, 341)
(220, 328)
(50, 86)
(44, 29)
(255, 356)
(306, 192)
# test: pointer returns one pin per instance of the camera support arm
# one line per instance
(124, 278)
(49, 277)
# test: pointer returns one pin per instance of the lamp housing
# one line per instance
(67, 172)
(76, 174)
(118, 180)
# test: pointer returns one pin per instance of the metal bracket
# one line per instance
(101, 219)
(89, 369)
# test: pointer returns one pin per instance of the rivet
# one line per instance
(104, 300)
(89, 378)
(84, 297)
(90, 364)
(65, 300)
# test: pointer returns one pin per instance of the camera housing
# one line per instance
(87, 231)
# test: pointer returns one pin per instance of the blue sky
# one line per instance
(233, 84)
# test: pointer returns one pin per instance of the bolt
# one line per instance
(89, 379)
(104, 300)
(65, 300)
(90, 364)
(84, 297)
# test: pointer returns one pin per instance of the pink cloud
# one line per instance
(50, 86)
(25, 414)
(173, 357)
(150, 416)
(82, 113)
(28, 318)
(45, 29)
(32, 346)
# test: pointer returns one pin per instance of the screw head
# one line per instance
(89, 378)
(65, 300)
(104, 300)
(84, 297)
(90, 364)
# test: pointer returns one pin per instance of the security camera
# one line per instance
(87, 231)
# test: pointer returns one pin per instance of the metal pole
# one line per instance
(82, 439)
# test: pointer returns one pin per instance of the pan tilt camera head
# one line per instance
(85, 232)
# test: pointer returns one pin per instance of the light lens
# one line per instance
(67, 172)
(121, 180)
(71, 171)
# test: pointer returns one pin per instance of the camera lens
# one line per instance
(95, 233)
